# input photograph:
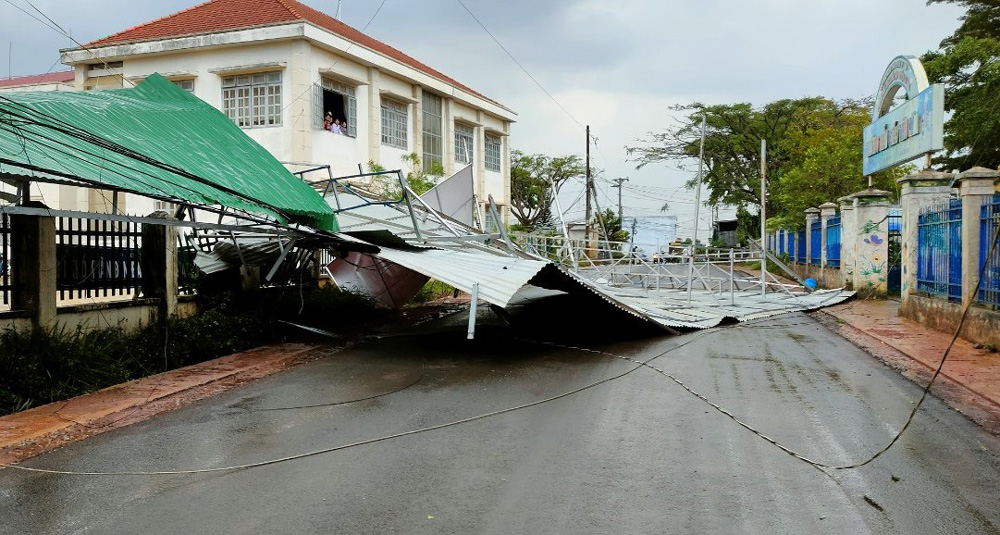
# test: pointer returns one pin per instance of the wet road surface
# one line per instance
(634, 455)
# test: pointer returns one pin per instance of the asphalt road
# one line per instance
(635, 455)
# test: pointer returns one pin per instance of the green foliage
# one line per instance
(609, 227)
(968, 63)
(419, 180)
(532, 178)
(39, 366)
(813, 154)
(434, 289)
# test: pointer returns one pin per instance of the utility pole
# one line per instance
(763, 217)
(590, 188)
(618, 184)
(697, 204)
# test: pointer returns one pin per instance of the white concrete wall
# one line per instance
(304, 62)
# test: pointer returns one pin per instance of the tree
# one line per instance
(609, 227)
(532, 179)
(814, 154)
(732, 146)
(968, 64)
(420, 181)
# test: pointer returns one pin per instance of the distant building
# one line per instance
(724, 233)
(53, 81)
(276, 67)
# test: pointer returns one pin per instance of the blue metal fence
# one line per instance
(801, 253)
(833, 242)
(894, 278)
(782, 238)
(791, 245)
(815, 242)
(939, 250)
(989, 288)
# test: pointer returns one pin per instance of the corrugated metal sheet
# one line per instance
(177, 147)
(499, 277)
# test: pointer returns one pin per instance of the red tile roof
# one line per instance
(35, 79)
(223, 15)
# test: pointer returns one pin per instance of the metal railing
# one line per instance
(816, 242)
(638, 265)
(5, 285)
(800, 256)
(939, 250)
(833, 230)
(989, 288)
(97, 258)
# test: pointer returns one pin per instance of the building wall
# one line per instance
(303, 64)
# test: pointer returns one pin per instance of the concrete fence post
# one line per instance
(848, 226)
(33, 267)
(826, 211)
(871, 242)
(975, 187)
(918, 191)
(159, 263)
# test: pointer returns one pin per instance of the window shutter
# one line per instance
(317, 108)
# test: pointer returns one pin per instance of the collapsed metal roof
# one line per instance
(425, 242)
(156, 140)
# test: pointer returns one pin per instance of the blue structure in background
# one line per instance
(989, 288)
(833, 230)
(939, 250)
(815, 242)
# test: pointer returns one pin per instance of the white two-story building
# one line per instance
(276, 67)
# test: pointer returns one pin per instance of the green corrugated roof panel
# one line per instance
(182, 148)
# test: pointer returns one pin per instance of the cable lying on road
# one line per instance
(639, 364)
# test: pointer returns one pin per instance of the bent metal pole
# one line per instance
(763, 217)
(697, 204)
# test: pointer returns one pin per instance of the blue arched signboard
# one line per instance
(912, 129)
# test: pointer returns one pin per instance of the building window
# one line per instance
(463, 143)
(393, 124)
(493, 152)
(339, 100)
(253, 100)
(187, 85)
(433, 115)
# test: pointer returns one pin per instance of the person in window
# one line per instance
(336, 127)
(328, 121)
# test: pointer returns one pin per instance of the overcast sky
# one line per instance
(615, 65)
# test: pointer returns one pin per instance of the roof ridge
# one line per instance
(291, 9)
(147, 23)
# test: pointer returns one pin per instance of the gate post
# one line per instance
(871, 242)
(33, 267)
(975, 187)
(159, 263)
(918, 190)
(848, 231)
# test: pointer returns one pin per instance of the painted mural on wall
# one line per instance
(872, 257)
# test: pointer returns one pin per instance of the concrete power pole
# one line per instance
(618, 184)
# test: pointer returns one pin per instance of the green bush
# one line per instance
(39, 366)
(434, 289)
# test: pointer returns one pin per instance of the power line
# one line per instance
(518, 63)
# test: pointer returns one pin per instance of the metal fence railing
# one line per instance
(782, 241)
(939, 250)
(989, 288)
(791, 244)
(96, 258)
(187, 273)
(833, 230)
(815, 242)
